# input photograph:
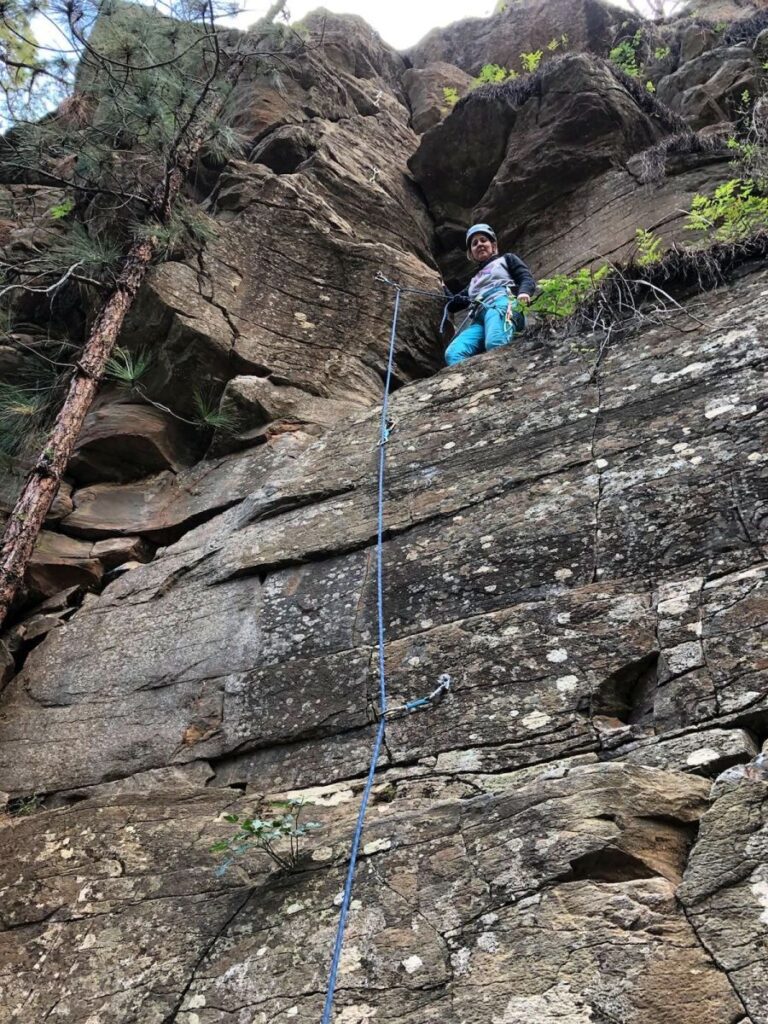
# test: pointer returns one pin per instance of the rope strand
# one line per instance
(383, 436)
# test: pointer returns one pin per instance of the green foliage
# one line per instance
(127, 368)
(22, 410)
(560, 295)
(18, 48)
(278, 836)
(62, 209)
(531, 61)
(557, 43)
(650, 87)
(734, 211)
(224, 143)
(625, 55)
(86, 256)
(187, 226)
(493, 74)
(648, 247)
(24, 806)
(208, 413)
(451, 96)
(661, 52)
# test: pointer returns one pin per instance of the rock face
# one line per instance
(709, 88)
(560, 159)
(575, 531)
(500, 39)
(123, 441)
(326, 192)
(427, 92)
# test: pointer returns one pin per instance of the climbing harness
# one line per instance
(479, 307)
(384, 713)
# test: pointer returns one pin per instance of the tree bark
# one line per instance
(28, 515)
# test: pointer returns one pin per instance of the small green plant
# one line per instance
(560, 295)
(208, 412)
(733, 211)
(23, 806)
(557, 44)
(650, 87)
(493, 74)
(278, 836)
(624, 55)
(127, 368)
(451, 96)
(661, 52)
(531, 61)
(648, 247)
(62, 209)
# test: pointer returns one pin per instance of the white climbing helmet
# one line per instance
(480, 229)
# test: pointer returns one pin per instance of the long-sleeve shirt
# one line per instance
(494, 276)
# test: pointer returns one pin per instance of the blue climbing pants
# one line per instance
(490, 328)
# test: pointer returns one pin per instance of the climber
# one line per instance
(495, 296)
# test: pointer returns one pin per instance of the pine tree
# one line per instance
(149, 88)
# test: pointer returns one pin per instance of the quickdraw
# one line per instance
(431, 700)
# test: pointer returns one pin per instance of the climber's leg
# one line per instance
(499, 329)
(467, 342)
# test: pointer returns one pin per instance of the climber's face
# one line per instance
(481, 247)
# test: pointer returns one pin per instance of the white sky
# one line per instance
(401, 23)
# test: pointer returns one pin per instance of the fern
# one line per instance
(648, 247)
(531, 61)
(734, 211)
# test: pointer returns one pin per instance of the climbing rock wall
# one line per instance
(575, 532)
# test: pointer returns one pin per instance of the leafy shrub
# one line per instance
(733, 211)
(560, 295)
(493, 74)
(531, 61)
(625, 54)
(269, 835)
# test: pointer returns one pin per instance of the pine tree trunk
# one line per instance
(28, 515)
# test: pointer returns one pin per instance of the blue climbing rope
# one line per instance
(384, 712)
(384, 430)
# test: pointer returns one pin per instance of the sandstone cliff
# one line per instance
(575, 531)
